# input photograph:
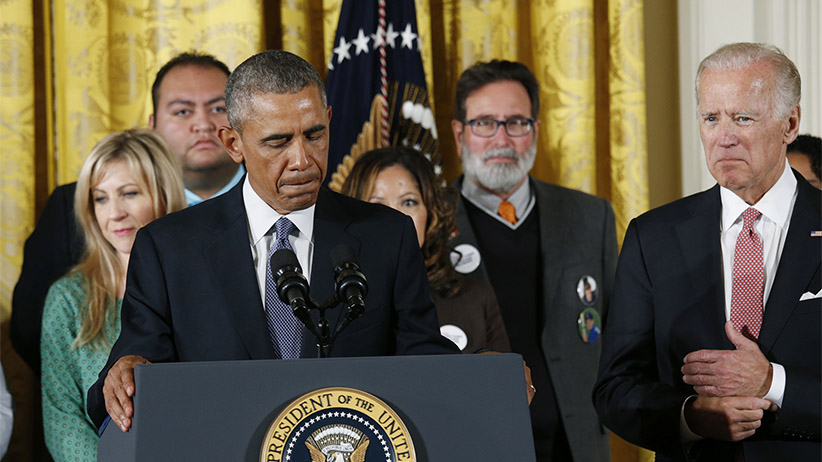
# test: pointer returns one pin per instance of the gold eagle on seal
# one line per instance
(337, 443)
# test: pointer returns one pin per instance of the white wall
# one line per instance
(704, 25)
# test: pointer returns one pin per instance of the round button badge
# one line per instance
(465, 258)
(587, 290)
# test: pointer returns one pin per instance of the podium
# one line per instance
(455, 407)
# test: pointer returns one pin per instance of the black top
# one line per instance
(55, 245)
(515, 273)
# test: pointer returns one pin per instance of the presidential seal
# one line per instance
(337, 425)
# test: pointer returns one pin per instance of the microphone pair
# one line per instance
(350, 285)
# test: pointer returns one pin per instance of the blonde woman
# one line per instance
(129, 179)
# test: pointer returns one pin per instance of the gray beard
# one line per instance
(500, 178)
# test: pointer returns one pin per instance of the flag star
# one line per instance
(361, 42)
(331, 64)
(390, 35)
(342, 50)
(378, 37)
(419, 43)
(408, 37)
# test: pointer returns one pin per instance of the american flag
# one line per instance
(376, 85)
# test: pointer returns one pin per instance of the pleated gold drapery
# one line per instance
(110, 61)
(16, 137)
(587, 55)
(17, 120)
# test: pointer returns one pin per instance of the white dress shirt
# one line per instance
(260, 218)
(776, 207)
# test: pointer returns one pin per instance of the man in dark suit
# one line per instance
(536, 243)
(196, 285)
(188, 99)
(712, 345)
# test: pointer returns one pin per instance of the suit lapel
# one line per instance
(465, 234)
(799, 262)
(553, 235)
(699, 240)
(229, 257)
(330, 223)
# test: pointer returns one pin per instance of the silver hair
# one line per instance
(273, 71)
(787, 83)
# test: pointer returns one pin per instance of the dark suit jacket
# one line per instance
(670, 301)
(55, 245)
(192, 293)
(577, 238)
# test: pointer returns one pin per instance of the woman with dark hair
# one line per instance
(403, 179)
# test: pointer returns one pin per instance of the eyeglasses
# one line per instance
(514, 126)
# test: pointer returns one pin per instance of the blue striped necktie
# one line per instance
(285, 329)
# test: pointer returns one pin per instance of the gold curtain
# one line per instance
(16, 137)
(116, 47)
(102, 55)
(17, 100)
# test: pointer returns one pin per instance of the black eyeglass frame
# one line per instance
(471, 123)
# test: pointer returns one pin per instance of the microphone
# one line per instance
(292, 287)
(349, 283)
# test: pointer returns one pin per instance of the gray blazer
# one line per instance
(577, 238)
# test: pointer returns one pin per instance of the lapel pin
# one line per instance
(588, 325)
(465, 258)
(587, 290)
(816, 233)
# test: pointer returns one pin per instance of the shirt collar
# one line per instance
(193, 199)
(772, 204)
(489, 201)
(261, 217)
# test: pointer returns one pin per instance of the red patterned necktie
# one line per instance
(506, 210)
(747, 290)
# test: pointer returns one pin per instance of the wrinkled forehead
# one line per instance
(749, 85)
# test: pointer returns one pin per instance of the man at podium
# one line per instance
(200, 286)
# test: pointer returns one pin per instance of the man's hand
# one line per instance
(528, 383)
(741, 372)
(726, 419)
(118, 389)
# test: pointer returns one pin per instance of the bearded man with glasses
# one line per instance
(535, 243)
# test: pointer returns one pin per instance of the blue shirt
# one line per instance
(194, 199)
